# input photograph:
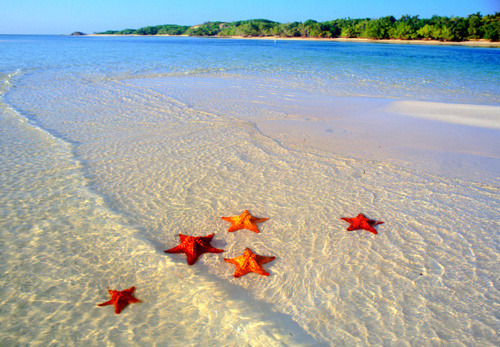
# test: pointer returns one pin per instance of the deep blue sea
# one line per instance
(110, 147)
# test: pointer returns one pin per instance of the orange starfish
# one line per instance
(244, 221)
(120, 299)
(250, 262)
(361, 222)
(194, 246)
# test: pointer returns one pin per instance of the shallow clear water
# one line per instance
(111, 147)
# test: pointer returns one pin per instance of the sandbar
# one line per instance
(454, 140)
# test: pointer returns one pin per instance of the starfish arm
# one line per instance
(348, 220)
(129, 291)
(258, 220)
(232, 261)
(377, 223)
(109, 302)
(176, 249)
(234, 227)
(214, 250)
(254, 265)
(252, 227)
(369, 226)
(119, 306)
(240, 272)
(228, 219)
(208, 238)
(192, 258)
(262, 260)
(261, 272)
(251, 223)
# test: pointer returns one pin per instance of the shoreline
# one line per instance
(475, 43)
(478, 43)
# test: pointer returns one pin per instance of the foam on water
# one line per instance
(132, 160)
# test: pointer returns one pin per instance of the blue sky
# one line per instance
(66, 16)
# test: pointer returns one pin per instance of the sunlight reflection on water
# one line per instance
(132, 162)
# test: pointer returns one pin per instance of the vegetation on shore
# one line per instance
(167, 29)
(473, 27)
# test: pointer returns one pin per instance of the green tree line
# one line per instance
(473, 27)
(167, 29)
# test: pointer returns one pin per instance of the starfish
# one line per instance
(249, 262)
(244, 221)
(120, 299)
(361, 222)
(194, 246)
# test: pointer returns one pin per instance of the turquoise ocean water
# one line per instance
(112, 146)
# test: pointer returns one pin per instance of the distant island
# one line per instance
(452, 29)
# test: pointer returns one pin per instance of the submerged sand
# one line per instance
(453, 140)
(449, 139)
(146, 158)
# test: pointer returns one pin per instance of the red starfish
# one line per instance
(194, 246)
(361, 222)
(250, 262)
(120, 299)
(244, 221)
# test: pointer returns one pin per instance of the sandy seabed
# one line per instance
(155, 157)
